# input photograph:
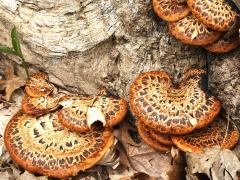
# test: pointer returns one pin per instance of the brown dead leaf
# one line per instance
(11, 83)
(153, 163)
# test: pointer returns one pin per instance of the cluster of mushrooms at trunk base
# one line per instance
(185, 114)
(200, 23)
(58, 135)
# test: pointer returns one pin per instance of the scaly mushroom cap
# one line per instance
(75, 116)
(170, 11)
(223, 46)
(38, 86)
(145, 133)
(215, 14)
(42, 145)
(162, 138)
(40, 105)
(190, 30)
(173, 108)
(217, 133)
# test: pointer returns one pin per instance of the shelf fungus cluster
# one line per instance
(200, 23)
(183, 114)
(58, 135)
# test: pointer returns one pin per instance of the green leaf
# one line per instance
(15, 42)
(7, 50)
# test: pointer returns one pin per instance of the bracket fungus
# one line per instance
(78, 114)
(40, 105)
(38, 85)
(42, 145)
(169, 10)
(173, 108)
(221, 132)
(223, 46)
(215, 14)
(190, 30)
(145, 133)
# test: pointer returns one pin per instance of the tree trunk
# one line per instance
(95, 43)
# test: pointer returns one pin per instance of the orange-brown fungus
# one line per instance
(42, 145)
(220, 132)
(190, 30)
(173, 108)
(215, 14)
(169, 10)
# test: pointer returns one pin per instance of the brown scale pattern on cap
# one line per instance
(215, 14)
(145, 133)
(190, 30)
(38, 85)
(217, 133)
(169, 10)
(173, 108)
(40, 105)
(75, 117)
(42, 145)
(223, 46)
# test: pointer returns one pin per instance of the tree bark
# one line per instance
(95, 43)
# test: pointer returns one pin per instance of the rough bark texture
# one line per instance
(94, 43)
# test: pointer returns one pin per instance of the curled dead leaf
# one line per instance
(215, 162)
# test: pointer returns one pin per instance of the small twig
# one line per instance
(225, 136)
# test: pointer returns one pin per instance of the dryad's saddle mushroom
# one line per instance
(190, 30)
(38, 86)
(224, 45)
(169, 10)
(173, 108)
(42, 145)
(40, 105)
(79, 111)
(215, 14)
(220, 132)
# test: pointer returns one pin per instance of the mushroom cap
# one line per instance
(38, 85)
(145, 133)
(42, 145)
(190, 30)
(223, 46)
(160, 137)
(217, 133)
(215, 14)
(170, 11)
(40, 105)
(173, 108)
(75, 116)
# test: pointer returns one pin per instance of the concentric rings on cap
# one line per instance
(173, 108)
(220, 133)
(215, 14)
(190, 30)
(42, 145)
(170, 11)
